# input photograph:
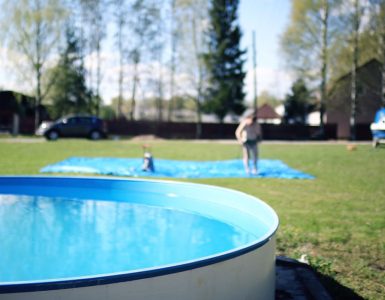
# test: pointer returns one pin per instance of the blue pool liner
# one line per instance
(132, 167)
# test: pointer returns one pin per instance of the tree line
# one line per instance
(163, 49)
(326, 39)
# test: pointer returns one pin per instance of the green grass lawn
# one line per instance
(337, 220)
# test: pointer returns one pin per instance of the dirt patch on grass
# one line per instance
(146, 137)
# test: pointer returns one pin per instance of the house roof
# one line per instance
(370, 65)
(265, 111)
(8, 101)
(14, 102)
(368, 79)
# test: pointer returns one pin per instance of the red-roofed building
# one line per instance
(266, 114)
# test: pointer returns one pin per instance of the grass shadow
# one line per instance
(297, 280)
(336, 290)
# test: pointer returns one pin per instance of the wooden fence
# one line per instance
(179, 130)
(182, 130)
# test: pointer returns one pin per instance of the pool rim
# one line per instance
(95, 280)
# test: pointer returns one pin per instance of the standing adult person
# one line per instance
(249, 134)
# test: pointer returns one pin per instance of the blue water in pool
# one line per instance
(43, 238)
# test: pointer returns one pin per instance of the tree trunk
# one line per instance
(98, 76)
(255, 73)
(172, 71)
(38, 67)
(133, 95)
(382, 52)
(383, 69)
(38, 98)
(120, 83)
(198, 99)
(324, 58)
(159, 101)
(353, 94)
(198, 133)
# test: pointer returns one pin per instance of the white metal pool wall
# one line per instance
(248, 276)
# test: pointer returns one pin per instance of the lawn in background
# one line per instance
(337, 220)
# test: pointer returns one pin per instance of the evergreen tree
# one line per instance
(297, 104)
(69, 93)
(224, 61)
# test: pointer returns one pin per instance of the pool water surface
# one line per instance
(46, 237)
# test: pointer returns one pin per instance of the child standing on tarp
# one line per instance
(249, 133)
(148, 161)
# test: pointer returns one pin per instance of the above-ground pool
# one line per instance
(99, 238)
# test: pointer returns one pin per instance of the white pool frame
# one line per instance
(244, 273)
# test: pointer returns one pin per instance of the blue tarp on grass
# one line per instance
(173, 168)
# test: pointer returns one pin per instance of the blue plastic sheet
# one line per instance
(173, 168)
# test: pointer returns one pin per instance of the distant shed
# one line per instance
(368, 99)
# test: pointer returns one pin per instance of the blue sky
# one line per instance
(268, 18)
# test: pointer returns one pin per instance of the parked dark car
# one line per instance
(90, 127)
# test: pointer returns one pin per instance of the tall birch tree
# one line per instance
(378, 26)
(306, 43)
(120, 13)
(34, 35)
(355, 15)
(143, 30)
(173, 52)
(194, 24)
